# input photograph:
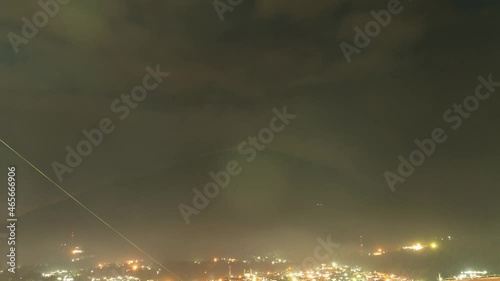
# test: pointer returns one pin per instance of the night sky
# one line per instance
(323, 174)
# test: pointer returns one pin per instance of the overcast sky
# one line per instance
(353, 121)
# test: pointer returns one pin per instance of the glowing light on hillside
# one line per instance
(416, 247)
(76, 251)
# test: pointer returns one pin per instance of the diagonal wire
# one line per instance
(90, 211)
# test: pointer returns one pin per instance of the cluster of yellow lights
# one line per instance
(76, 251)
(223, 259)
(418, 246)
(414, 247)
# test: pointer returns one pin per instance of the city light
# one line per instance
(416, 247)
(76, 251)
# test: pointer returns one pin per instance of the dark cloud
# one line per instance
(353, 120)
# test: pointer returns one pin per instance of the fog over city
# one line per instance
(183, 131)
